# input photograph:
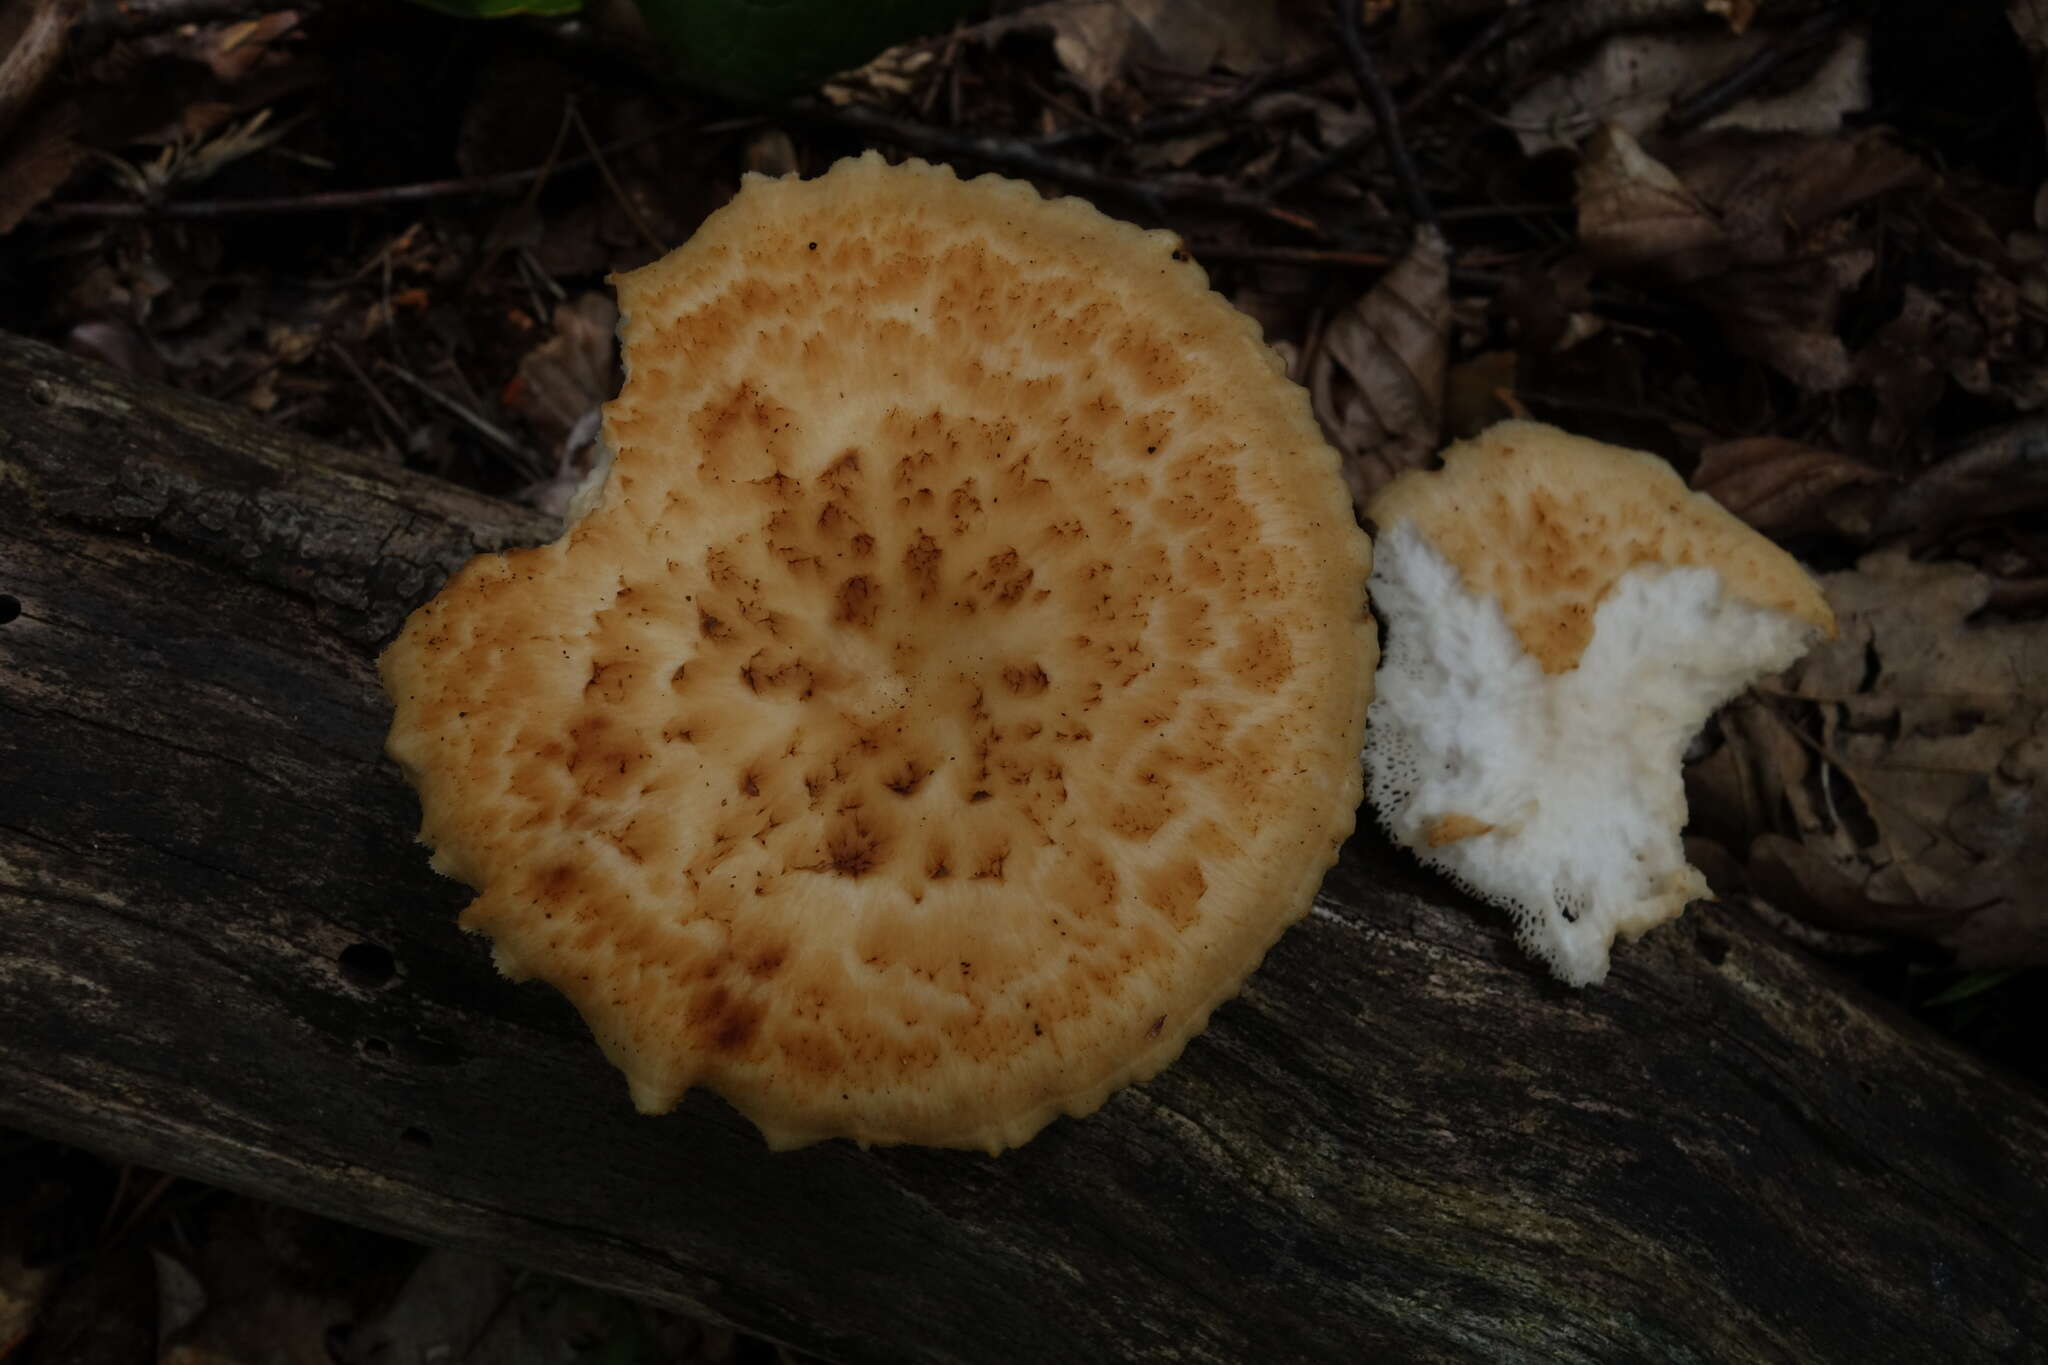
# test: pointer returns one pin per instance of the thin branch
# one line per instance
(1384, 114)
(1564, 28)
(1502, 24)
(611, 181)
(1334, 258)
(1732, 87)
(495, 435)
(1188, 120)
(1023, 158)
(328, 201)
(1292, 255)
(140, 18)
(377, 398)
(527, 201)
(1355, 146)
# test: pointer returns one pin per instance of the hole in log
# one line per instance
(418, 1137)
(367, 965)
(1714, 948)
(376, 1047)
(10, 607)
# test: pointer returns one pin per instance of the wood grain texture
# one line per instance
(1402, 1143)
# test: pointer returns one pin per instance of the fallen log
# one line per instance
(221, 954)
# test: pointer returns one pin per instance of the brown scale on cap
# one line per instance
(955, 689)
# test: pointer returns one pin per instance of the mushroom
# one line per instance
(1562, 616)
(952, 690)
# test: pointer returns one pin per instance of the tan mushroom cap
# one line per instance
(955, 689)
(1546, 523)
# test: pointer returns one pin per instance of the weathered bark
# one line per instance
(1403, 1142)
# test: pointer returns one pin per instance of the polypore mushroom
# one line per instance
(952, 691)
(1562, 616)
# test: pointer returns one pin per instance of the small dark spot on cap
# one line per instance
(813, 246)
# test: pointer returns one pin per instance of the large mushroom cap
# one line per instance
(953, 691)
(1562, 616)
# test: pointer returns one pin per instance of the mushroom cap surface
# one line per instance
(952, 691)
(1562, 616)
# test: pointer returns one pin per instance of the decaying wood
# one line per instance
(222, 954)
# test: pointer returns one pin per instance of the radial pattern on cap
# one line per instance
(953, 691)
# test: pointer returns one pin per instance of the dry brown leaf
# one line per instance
(1377, 372)
(1929, 787)
(1975, 328)
(2003, 474)
(23, 1288)
(559, 388)
(1095, 40)
(1335, 124)
(1754, 230)
(1479, 392)
(1907, 366)
(460, 1307)
(1632, 80)
(1783, 487)
(34, 40)
(1785, 315)
(1779, 197)
(239, 48)
(37, 161)
(1738, 13)
(568, 375)
(1636, 216)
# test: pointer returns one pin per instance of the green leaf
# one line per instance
(763, 51)
(1972, 984)
(498, 9)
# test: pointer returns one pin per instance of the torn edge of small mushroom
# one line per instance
(1562, 616)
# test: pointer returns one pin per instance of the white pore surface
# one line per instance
(1578, 772)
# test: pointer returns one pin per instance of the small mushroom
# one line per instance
(951, 690)
(1562, 616)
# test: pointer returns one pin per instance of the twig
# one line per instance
(1384, 114)
(1467, 212)
(532, 196)
(611, 181)
(942, 74)
(1334, 258)
(476, 423)
(1023, 158)
(376, 395)
(1565, 27)
(1502, 24)
(1188, 120)
(1291, 255)
(1698, 107)
(1351, 148)
(139, 18)
(504, 182)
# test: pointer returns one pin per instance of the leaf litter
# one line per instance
(1748, 237)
